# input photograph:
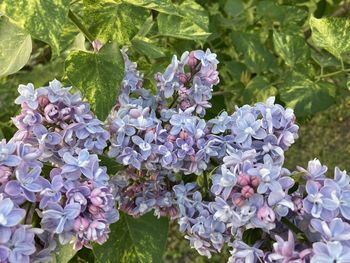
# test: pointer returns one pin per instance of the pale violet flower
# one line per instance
(29, 96)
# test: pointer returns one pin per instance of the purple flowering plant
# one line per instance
(221, 179)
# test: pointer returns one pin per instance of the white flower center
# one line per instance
(3, 154)
(249, 130)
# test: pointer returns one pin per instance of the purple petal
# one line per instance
(15, 217)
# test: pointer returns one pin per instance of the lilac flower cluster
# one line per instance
(250, 187)
(154, 138)
(223, 177)
(52, 189)
(57, 122)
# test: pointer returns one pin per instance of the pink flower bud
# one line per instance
(243, 179)
(81, 224)
(183, 77)
(240, 201)
(52, 113)
(183, 135)
(192, 61)
(43, 101)
(172, 212)
(266, 214)
(5, 173)
(247, 191)
(171, 138)
(255, 181)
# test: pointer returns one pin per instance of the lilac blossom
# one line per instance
(330, 252)
(28, 182)
(241, 252)
(81, 163)
(7, 156)
(60, 219)
(315, 170)
(246, 128)
(336, 230)
(29, 96)
(9, 215)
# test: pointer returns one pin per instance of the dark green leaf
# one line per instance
(15, 47)
(43, 19)
(234, 7)
(332, 34)
(110, 20)
(284, 14)
(250, 236)
(192, 25)
(133, 240)
(112, 166)
(98, 75)
(291, 48)
(232, 70)
(258, 89)
(307, 97)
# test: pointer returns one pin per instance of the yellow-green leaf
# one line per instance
(43, 19)
(332, 34)
(291, 48)
(98, 75)
(193, 24)
(162, 6)
(305, 96)
(15, 47)
(147, 47)
(109, 20)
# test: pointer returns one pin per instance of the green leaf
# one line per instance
(15, 47)
(232, 70)
(192, 25)
(291, 48)
(64, 254)
(307, 97)
(325, 60)
(2, 136)
(112, 166)
(131, 240)
(332, 34)
(98, 75)
(255, 55)
(116, 21)
(258, 89)
(284, 14)
(43, 19)
(251, 236)
(162, 6)
(147, 47)
(234, 8)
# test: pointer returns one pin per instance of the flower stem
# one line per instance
(333, 73)
(81, 27)
(174, 100)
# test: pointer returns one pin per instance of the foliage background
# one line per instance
(296, 50)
